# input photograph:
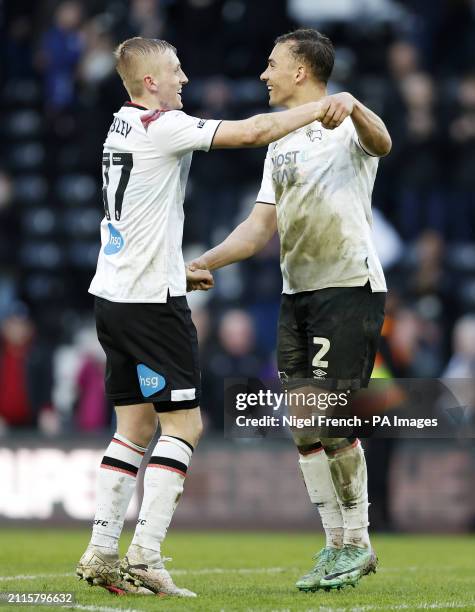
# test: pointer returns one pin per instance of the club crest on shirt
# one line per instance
(313, 135)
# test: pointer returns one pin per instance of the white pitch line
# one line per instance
(177, 572)
(25, 577)
(221, 570)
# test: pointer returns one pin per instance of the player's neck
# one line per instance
(149, 101)
(144, 101)
(309, 94)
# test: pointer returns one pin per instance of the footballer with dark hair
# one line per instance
(316, 191)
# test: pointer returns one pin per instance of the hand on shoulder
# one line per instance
(335, 109)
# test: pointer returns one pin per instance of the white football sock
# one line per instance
(115, 487)
(317, 477)
(163, 486)
(349, 476)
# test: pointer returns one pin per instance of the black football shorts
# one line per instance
(330, 336)
(152, 353)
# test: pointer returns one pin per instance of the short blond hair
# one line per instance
(132, 55)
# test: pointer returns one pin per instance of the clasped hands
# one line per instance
(198, 277)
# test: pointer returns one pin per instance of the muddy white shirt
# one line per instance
(145, 165)
(321, 182)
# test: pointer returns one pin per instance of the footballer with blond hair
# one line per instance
(142, 317)
(316, 192)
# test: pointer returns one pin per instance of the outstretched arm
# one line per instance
(261, 130)
(247, 239)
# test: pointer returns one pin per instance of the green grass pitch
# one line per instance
(250, 572)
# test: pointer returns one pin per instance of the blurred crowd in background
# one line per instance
(412, 62)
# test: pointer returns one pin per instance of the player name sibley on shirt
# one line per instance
(120, 126)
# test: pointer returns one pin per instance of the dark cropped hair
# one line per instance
(313, 48)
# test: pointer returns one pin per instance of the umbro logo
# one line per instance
(313, 135)
(319, 374)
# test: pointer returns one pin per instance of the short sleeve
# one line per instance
(353, 139)
(266, 193)
(176, 133)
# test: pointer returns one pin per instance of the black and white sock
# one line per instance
(115, 487)
(163, 486)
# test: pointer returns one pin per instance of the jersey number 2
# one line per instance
(117, 180)
(317, 360)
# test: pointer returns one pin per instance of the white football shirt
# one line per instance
(145, 164)
(321, 182)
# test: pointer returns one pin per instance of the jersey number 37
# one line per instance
(116, 168)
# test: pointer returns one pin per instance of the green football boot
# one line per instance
(325, 561)
(352, 564)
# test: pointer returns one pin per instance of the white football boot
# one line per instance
(100, 568)
(144, 568)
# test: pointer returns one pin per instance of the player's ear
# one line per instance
(302, 73)
(150, 83)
